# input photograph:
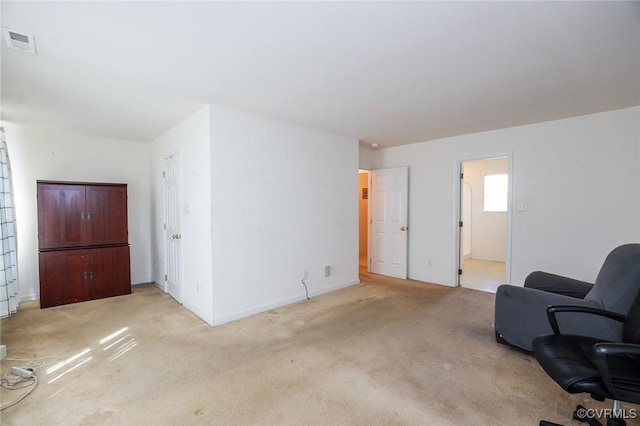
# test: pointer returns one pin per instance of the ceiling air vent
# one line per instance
(19, 41)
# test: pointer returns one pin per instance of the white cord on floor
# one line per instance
(35, 363)
(12, 386)
(31, 382)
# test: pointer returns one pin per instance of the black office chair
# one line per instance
(606, 370)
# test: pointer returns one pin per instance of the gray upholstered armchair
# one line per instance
(520, 312)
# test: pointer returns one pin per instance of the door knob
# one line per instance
(404, 228)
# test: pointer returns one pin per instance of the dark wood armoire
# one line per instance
(82, 241)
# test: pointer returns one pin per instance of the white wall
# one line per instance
(366, 158)
(284, 201)
(579, 176)
(488, 229)
(38, 154)
(191, 139)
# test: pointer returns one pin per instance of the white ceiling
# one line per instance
(384, 72)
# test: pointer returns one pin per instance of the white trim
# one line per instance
(30, 297)
(202, 315)
(269, 306)
(368, 172)
(161, 287)
(487, 259)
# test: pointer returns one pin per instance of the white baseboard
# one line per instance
(30, 297)
(488, 259)
(162, 287)
(203, 316)
(263, 308)
(333, 288)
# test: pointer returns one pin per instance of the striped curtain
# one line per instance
(9, 252)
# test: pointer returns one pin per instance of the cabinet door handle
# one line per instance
(91, 275)
(82, 216)
(89, 216)
(85, 275)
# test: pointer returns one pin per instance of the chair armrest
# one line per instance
(553, 309)
(603, 352)
(558, 284)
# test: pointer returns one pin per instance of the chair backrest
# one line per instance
(618, 282)
(631, 329)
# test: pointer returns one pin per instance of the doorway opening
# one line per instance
(484, 217)
(363, 215)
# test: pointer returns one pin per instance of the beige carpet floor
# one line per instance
(380, 353)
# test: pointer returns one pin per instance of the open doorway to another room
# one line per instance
(363, 208)
(484, 216)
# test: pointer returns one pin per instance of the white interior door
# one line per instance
(389, 200)
(172, 226)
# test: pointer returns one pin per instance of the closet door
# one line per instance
(61, 216)
(106, 214)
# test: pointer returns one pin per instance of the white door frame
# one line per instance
(368, 172)
(458, 212)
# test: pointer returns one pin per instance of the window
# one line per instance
(496, 190)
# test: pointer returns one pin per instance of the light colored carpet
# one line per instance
(384, 352)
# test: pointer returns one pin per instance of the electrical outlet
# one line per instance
(327, 270)
(3, 351)
(305, 274)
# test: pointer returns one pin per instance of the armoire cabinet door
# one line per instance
(61, 216)
(107, 215)
(109, 273)
(63, 277)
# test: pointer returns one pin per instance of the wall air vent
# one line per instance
(19, 41)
